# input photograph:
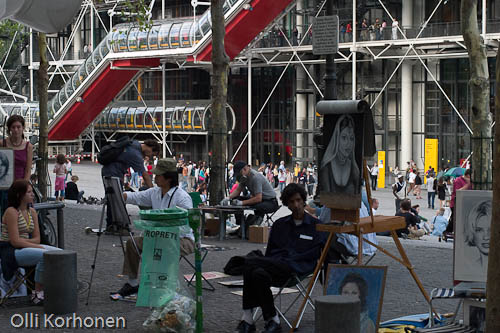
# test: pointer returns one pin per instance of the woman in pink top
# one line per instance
(60, 171)
(23, 153)
(23, 150)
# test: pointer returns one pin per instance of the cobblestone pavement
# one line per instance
(222, 309)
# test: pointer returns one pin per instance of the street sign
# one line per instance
(326, 35)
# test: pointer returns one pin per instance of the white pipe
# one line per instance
(31, 65)
(483, 22)
(249, 109)
(354, 83)
(406, 114)
(164, 123)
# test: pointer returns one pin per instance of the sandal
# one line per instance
(37, 298)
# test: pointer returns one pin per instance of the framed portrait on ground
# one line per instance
(6, 168)
(472, 235)
(366, 282)
(347, 135)
(475, 315)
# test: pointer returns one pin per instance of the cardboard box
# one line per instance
(258, 234)
(212, 227)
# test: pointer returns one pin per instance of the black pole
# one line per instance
(331, 70)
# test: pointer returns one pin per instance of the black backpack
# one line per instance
(110, 153)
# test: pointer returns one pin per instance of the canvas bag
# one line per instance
(160, 264)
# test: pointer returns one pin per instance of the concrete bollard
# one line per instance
(337, 313)
(60, 282)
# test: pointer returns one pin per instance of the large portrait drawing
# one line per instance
(472, 235)
(366, 282)
(341, 163)
(6, 168)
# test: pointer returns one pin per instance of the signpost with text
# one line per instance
(326, 35)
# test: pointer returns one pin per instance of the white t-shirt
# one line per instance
(374, 171)
(411, 177)
(430, 184)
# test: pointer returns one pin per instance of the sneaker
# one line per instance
(244, 327)
(272, 326)
(126, 290)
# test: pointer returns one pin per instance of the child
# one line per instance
(60, 171)
(72, 192)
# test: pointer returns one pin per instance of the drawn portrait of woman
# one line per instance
(339, 169)
(4, 169)
(355, 285)
(477, 233)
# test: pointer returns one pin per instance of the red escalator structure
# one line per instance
(103, 76)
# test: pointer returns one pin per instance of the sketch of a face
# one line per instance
(351, 289)
(482, 234)
(346, 142)
(477, 227)
(4, 165)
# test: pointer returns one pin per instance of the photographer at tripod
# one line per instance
(131, 155)
(167, 194)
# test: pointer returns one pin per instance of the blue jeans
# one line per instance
(31, 256)
(135, 179)
(430, 199)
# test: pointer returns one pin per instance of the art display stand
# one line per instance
(359, 226)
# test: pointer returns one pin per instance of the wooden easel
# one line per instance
(359, 227)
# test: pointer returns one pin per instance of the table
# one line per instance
(60, 218)
(365, 226)
(222, 212)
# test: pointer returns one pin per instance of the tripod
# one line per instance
(113, 199)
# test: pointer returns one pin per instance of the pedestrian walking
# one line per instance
(441, 189)
(311, 181)
(374, 175)
(418, 185)
(431, 191)
(399, 190)
(60, 171)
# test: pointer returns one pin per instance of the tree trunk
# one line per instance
(218, 127)
(493, 285)
(479, 84)
(42, 84)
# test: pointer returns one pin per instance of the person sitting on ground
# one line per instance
(294, 246)
(166, 195)
(72, 192)
(439, 223)
(263, 196)
(411, 221)
(20, 228)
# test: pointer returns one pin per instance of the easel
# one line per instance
(113, 199)
(358, 227)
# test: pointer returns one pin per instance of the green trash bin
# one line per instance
(160, 254)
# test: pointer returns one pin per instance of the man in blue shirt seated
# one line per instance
(294, 246)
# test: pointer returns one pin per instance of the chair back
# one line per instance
(196, 197)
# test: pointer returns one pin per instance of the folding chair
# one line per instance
(293, 281)
(24, 275)
(269, 217)
(204, 253)
(463, 290)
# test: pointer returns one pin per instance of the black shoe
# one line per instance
(272, 326)
(244, 327)
(126, 290)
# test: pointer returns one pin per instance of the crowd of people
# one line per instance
(367, 31)
(406, 185)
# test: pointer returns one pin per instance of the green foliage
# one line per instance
(7, 32)
(142, 17)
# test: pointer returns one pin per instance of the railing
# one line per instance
(275, 38)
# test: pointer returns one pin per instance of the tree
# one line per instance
(43, 82)
(479, 83)
(218, 123)
(493, 286)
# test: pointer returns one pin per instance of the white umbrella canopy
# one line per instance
(49, 16)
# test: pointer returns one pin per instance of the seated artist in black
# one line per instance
(294, 246)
